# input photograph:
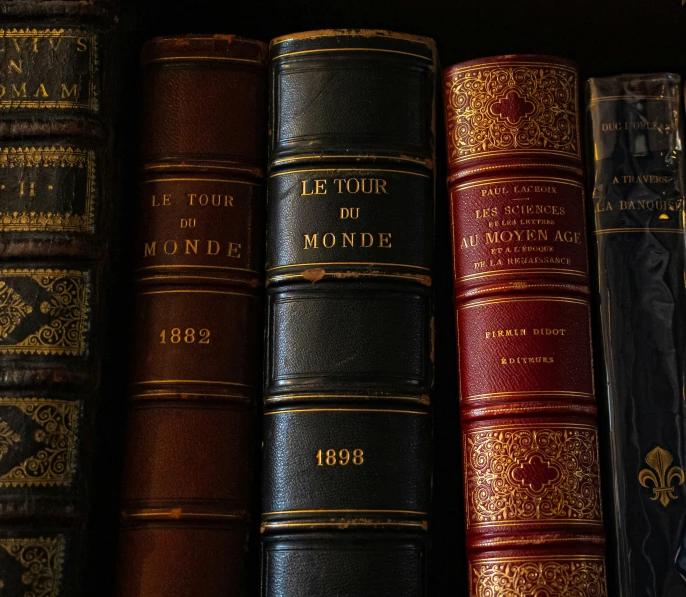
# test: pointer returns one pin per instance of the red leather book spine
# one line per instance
(530, 440)
(196, 354)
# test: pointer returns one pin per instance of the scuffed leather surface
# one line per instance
(349, 357)
(188, 466)
(49, 394)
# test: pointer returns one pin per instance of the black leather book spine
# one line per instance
(349, 358)
(638, 206)
(56, 111)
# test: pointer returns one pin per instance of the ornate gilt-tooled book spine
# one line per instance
(55, 199)
(638, 206)
(197, 351)
(348, 366)
(530, 438)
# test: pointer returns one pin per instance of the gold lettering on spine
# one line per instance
(32, 161)
(24, 52)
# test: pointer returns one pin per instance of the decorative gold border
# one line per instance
(81, 277)
(50, 466)
(93, 97)
(43, 559)
(358, 169)
(385, 50)
(524, 299)
(355, 410)
(480, 183)
(48, 221)
(515, 427)
(449, 80)
(370, 263)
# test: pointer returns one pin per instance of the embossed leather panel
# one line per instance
(370, 353)
(386, 474)
(330, 106)
(530, 439)
(359, 564)
(56, 111)
(188, 466)
(349, 357)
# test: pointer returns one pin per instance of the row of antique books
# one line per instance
(284, 252)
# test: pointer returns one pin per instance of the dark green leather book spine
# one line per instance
(349, 357)
(55, 185)
(638, 205)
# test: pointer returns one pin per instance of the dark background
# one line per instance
(604, 36)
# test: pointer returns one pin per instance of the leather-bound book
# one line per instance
(348, 365)
(56, 105)
(198, 326)
(638, 207)
(529, 432)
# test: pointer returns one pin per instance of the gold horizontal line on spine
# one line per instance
(481, 183)
(422, 161)
(181, 277)
(527, 270)
(180, 514)
(529, 425)
(516, 152)
(347, 33)
(540, 558)
(182, 395)
(528, 523)
(370, 263)
(512, 63)
(352, 410)
(186, 164)
(208, 58)
(422, 174)
(546, 539)
(506, 411)
(199, 178)
(481, 303)
(344, 523)
(193, 381)
(219, 267)
(417, 277)
(606, 98)
(526, 394)
(412, 512)
(463, 173)
(189, 291)
(617, 230)
(293, 397)
(320, 50)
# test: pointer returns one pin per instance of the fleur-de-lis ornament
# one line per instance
(664, 479)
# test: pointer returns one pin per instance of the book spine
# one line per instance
(196, 354)
(55, 200)
(638, 207)
(530, 439)
(349, 358)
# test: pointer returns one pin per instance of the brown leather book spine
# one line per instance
(530, 439)
(56, 100)
(196, 354)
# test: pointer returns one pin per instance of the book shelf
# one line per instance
(605, 36)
